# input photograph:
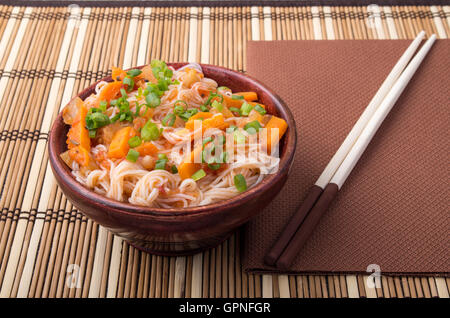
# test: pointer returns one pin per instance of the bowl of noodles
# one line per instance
(173, 157)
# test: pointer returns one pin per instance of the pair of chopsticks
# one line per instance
(322, 193)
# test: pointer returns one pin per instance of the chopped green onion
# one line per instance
(174, 169)
(94, 110)
(178, 110)
(217, 105)
(132, 155)
(237, 97)
(222, 140)
(152, 100)
(198, 175)
(92, 133)
(134, 141)
(181, 103)
(138, 108)
(123, 93)
(252, 127)
(134, 72)
(245, 109)
(96, 120)
(212, 96)
(223, 88)
(224, 157)
(260, 110)
(169, 120)
(234, 109)
(162, 156)
(102, 105)
(206, 140)
(140, 92)
(150, 131)
(128, 81)
(214, 166)
(203, 108)
(239, 137)
(188, 114)
(240, 183)
(160, 164)
(210, 156)
(231, 129)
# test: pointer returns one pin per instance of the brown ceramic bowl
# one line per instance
(187, 230)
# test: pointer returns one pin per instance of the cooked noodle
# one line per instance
(136, 183)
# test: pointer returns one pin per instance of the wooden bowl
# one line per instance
(186, 230)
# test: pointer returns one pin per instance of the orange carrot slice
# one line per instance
(147, 148)
(277, 123)
(188, 167)
(110, 91)
(119, 145)
(118, 74)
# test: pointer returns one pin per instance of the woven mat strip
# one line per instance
(214, 3)
(48, 248)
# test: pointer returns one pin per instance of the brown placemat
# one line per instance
(393, 210)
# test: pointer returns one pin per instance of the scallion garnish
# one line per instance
(252, 127)
(237, 97)
(162, 156)
(96, 120)
(179, 107)
(134, 141)
(132, 155)
(206, 140)
(103, 105)
(215, 104)
(224, 157)
(222, 139)
(239, 137)
(240, 183)
(214, 166)
(212, 97)
(178, 110)
(198, 175)
(188, 114)
(169, 120)
(128, 81)
(152, 100)
(134, 72)
(260, 109)
(150, 131)
(92, 133)
(235, 110)
(160, 164)
(246, 108)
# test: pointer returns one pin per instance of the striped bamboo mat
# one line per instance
(48, 248)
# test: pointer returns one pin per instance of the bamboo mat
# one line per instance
(48, 248)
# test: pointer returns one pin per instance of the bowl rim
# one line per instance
(286, 160)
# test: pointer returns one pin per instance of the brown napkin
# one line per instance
(393, 210)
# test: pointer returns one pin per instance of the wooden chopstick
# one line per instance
(326, 187)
